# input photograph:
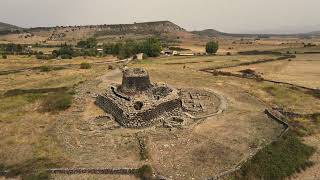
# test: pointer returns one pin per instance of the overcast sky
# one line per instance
(271, 16)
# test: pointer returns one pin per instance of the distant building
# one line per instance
(139, 56)
(186, 54)
(169, 52)
(166, 52)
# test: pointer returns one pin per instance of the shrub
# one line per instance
(44, 56)
(66, 56)
(178, 49)
(45, 68)
(85, 65)
(145, 56)
(89, 43)
(145, 172)
(212, 47)
(57, 102)
(65, 52)
(4, 56)
(228, 54)
(110, 67)
(33, 169)
(278, 160)
(256, 52)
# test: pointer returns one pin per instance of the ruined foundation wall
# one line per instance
(110, 106)
(139, 119)
(149, 117)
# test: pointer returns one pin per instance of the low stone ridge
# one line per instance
(137, 102)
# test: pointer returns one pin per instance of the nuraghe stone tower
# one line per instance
(137, 102)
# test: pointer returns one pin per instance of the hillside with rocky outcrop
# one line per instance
(80, 32)
(8, 27)
(102, 32)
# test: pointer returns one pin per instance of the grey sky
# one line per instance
(277, 16)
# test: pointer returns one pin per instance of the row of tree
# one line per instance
(150, 47)
(12, 48)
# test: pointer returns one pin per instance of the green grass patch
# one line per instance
(50, 68)
(287, 98)
(14, 102)
(33, 169)
(57, 102)
(85, 65)
(32, 92)
(278, 160)
(282, 94)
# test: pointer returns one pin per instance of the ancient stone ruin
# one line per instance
(138, 102)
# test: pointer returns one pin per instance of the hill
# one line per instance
(315, 33)
(210, 33)
(214, 33)
(105, 32)
(8, 27)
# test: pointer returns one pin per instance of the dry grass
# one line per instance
(303, 70)
(71, 138)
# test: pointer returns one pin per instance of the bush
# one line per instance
(212, 47)
(145, 56)
(278, 160)
(228, 54)
(85, 65)
(45, 68)
(110, 67)
(65, 52)
(44, 56)
(66, 56)
(33, 169)
(256, 52)
(89, 43)
(57, 102)
(145, 172)
(178, 49)
(4, 56)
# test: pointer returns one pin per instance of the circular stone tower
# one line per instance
(135, 80)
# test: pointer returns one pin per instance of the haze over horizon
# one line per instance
(241, 16)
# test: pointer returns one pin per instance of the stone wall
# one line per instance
(138, 119)
(135, 80)
(94, 171)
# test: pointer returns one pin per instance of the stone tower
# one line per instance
(137, 102)
(135, 80)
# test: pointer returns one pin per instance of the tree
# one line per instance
(212, 47)
(89, 43)
(151, 47)
(65, 52)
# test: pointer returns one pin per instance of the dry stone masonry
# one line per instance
(137, 102)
